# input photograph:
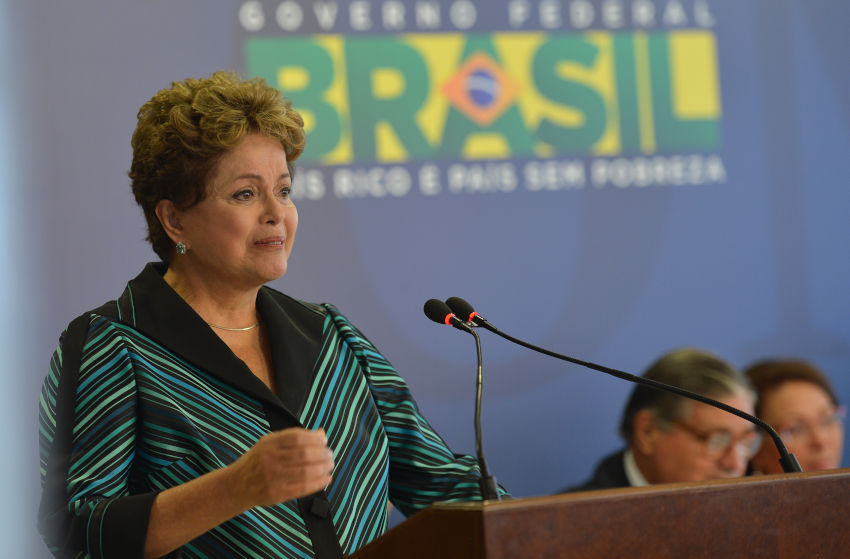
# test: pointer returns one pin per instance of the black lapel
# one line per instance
(295, 334)
(160, 313)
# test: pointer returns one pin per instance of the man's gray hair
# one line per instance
(689, 368)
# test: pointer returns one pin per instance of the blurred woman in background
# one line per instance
(797, 400)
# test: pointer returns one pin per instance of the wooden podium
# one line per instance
(786, 516)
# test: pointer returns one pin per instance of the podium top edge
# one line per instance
(626, 492)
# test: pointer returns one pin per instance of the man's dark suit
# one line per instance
(610, 472)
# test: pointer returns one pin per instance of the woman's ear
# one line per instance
(169, 218)
(645, 431)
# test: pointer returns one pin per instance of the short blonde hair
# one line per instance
(184, 130)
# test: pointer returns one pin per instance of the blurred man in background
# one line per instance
(670, 438)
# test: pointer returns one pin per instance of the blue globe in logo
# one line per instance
(482, 88)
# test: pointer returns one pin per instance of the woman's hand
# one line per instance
(283, 465)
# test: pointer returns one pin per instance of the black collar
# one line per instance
(294, 331)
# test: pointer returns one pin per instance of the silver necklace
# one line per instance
(235, 329)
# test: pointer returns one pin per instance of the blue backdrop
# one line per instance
(724, 226)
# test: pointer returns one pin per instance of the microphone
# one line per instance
(788, 461)
(462, 308)
(440, 313)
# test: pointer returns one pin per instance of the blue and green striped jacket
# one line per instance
(161, 400)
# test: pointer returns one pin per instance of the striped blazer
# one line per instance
(160, 400)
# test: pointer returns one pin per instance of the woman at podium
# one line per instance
(205, 414)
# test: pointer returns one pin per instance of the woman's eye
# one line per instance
(285, 192)
(244, 194)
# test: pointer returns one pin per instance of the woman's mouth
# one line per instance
(271, 242)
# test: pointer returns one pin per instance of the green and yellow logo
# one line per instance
(452, 96)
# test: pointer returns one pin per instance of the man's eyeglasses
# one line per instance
(718, 442)
(802, 430)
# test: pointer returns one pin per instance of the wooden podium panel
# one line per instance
(786, 516)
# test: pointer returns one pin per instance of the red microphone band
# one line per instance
(472, 315)
(448, 319)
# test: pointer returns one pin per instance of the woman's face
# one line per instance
(810, 425)
(242, 232)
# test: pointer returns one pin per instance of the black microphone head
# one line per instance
(460, 307)
(437, 311)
